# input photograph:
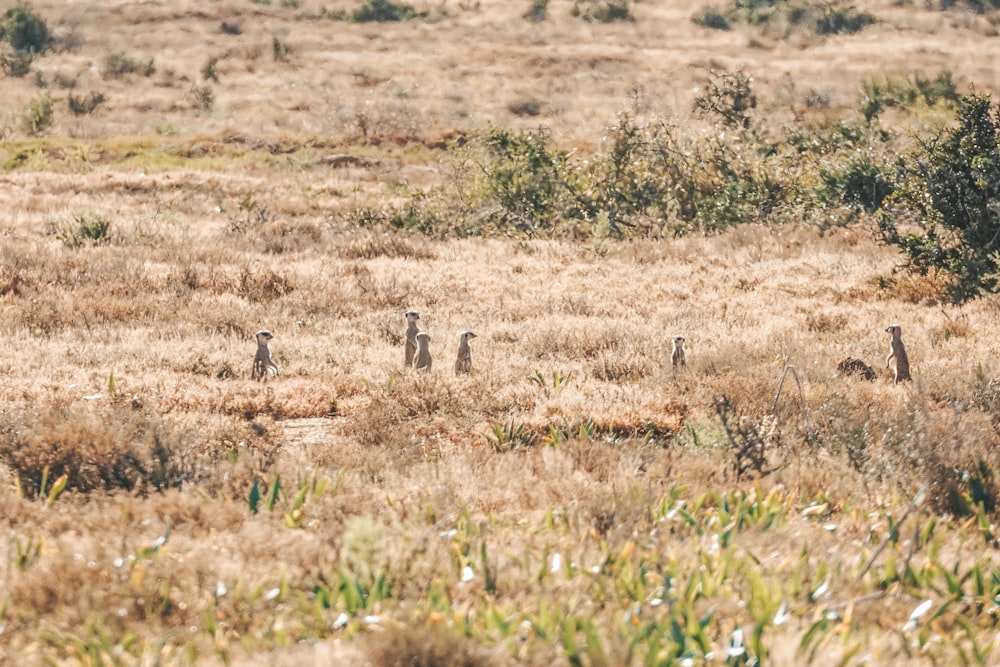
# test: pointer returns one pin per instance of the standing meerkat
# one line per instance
(412, 330)
(677, 353)
(262, 363)
(464, 362)
(423, 351)
(897, 351)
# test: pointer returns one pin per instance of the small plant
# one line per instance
(84, 228)
(231, 28)
(82, 106)
(382, 11)
(279, 49)
(38, 117)
(209, 71)
(840, 18)
(119, 64)
(16, 65)
(202, 97)
(746, 438)
(603, 11)
(712, 18)
(728, 96)
(510, 436)
(537, 11)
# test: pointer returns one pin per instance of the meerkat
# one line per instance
(464, 362)
(898, 352)
(411, 335)
(677, 353)
(262, 363)
(423, 361)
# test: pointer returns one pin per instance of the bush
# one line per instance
(116, 446)
(25, 30)
(15, 64)
(860, 182)
(118, 64)
(86, 228)
(603, 11)
(950, 196)
(729, 96)
(38, 116)
(84, 105)
(381, 11)
(839, 18)
(902, 90)
(711, 18)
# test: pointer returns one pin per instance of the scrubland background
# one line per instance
(575, 500)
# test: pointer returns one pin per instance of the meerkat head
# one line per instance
(412, 316)
(263, 336)
(423, 336)
(679, 341)
(466, 335)
(893, 330)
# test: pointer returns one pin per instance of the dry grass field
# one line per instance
(575, 499)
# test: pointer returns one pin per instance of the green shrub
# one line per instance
(537, 11)
(950, 194)
(84, 228)
(729, 96)
(381, 11)
(837, 18)
(711, 18)
(84, 105)
(16, 64)
(905, 90)
(38, 116)
(603, 11)
(859, 180)
(25, 30)
(119, 63)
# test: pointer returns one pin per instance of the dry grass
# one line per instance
(575, 491)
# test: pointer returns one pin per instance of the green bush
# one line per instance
(16, 64)
(859, 181)
(603, 11)
(25, 30)
(711, 18)
(86, 228)
(119, 63)
(38, 116)
(905, 90)
(950, 196)
(84, 105)
(381, 11)
(729, 96)
(840, 18)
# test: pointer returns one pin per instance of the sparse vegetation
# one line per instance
(576, 499)
(119, 64)
(381, 11)
(38, 117)
(81, 106)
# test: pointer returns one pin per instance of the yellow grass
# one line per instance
(146, 342)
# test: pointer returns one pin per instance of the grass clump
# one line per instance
(38, 117)
(119, 64)
(117, 446)
(85, 105)
(84, 228)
